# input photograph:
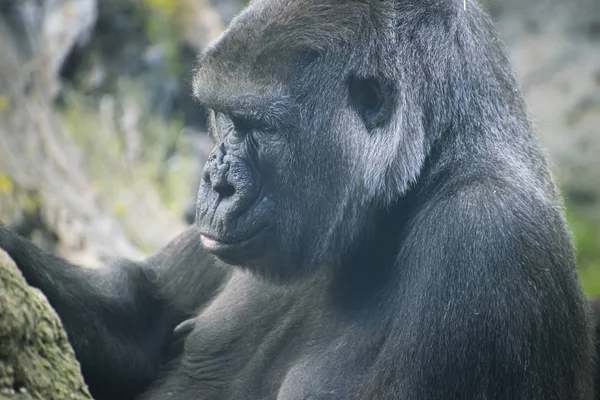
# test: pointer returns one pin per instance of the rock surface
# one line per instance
(36, 360)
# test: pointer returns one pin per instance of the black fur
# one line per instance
(389, 224)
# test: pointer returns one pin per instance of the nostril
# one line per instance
(224, 190)
(216, 173)
(220, 182)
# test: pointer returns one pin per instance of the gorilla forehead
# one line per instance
(276, 29)
(270, 42)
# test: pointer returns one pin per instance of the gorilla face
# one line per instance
(236, 210)
(291, 184)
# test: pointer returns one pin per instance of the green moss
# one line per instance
(36, 360)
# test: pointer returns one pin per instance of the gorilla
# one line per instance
(376, 221)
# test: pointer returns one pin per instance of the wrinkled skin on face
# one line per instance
(266, 189)
(234, 212)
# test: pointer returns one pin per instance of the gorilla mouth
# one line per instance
(209, 240)
(234, 252)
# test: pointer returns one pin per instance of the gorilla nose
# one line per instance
(217, 173)
(216, 176)
(220, 184)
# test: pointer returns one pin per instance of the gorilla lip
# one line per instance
(217, 246)
(208, 242)
(238, 252)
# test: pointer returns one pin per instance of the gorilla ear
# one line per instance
(371, 99)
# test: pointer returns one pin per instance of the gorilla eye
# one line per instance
(367, 97)
(242, 127)
(237, 128)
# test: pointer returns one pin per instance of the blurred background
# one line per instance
(101, 145)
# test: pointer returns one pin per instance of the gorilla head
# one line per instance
(320, 130)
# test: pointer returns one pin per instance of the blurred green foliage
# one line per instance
(164, 23)
(105, 148)
(586, 234)
(161, 173)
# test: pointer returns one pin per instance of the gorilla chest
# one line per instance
(278, 368)
(261, 345)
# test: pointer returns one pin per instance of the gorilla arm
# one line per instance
(119, 317)
(491, 310)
